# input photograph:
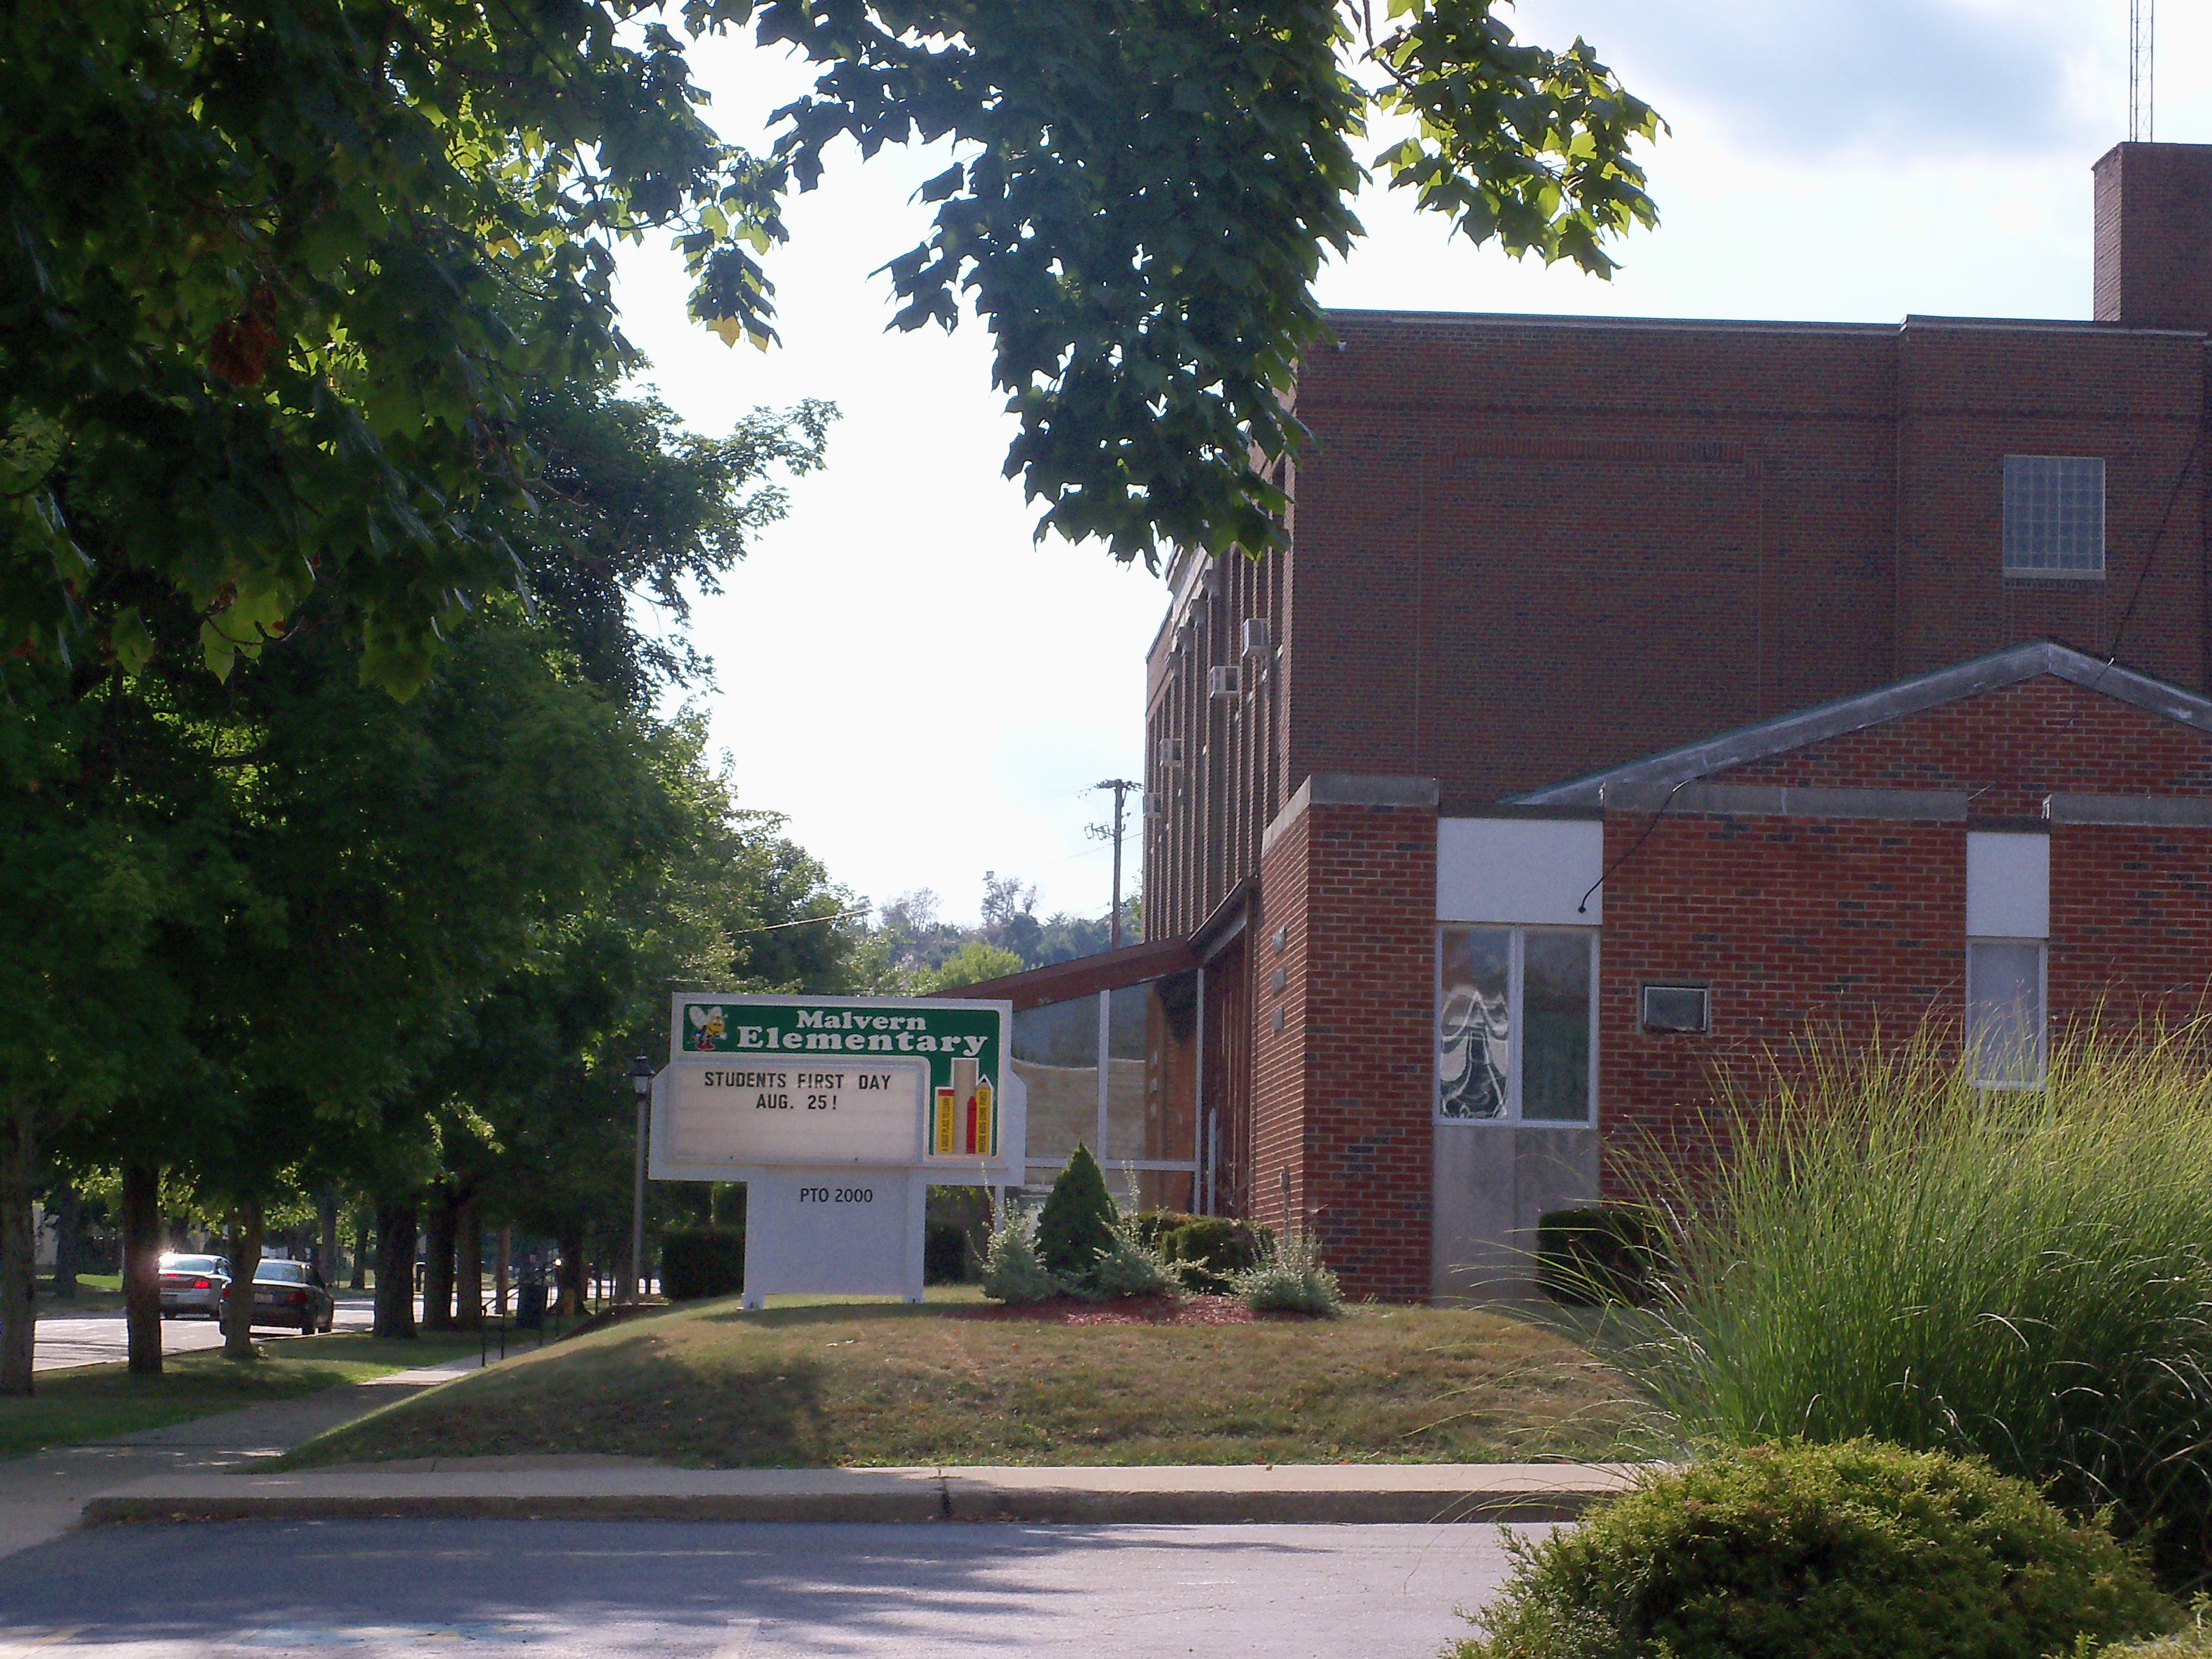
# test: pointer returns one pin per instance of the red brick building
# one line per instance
(1632, 695)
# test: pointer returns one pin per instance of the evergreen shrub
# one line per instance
(1612, 1253)
(1076, 1226)
(1836, 1552)
(702, 1261)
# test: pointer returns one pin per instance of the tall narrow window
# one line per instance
(1515, 1024)
(2054, 516)
(2004, 1011)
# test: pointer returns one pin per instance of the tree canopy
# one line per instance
(291, 340)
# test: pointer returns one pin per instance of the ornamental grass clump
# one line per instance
(1841, 1551)
(2024, 1275)
(1291, 1277)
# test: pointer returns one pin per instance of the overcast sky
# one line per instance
(927, 695)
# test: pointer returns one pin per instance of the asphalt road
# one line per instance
(704, 1591)
(97, 1339)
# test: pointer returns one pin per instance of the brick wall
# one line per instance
(2130, 924)
(1343, 1101)
(2154, 235)
(1846, 927)
(2007, 749)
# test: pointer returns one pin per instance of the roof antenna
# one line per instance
(2143, 72)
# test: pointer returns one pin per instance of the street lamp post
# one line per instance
(641, 1079)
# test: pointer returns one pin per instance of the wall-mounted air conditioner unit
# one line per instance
(1255, 636)
(1224, 682)
(1170, 751)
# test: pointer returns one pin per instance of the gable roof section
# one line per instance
(1846, 715)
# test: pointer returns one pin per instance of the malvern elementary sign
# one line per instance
(838, 1114)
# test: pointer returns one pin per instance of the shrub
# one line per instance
(1130, 1267)
(1291, 1277)
(1893, 1253)
(1011, 1269)
(1820, 1552)
(945, 1253)
(1152, 1226)
(1077, 1224)
(702, 1261)
(1209, 1251)
(1606, 1253)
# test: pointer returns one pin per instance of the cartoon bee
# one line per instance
(708, 1025)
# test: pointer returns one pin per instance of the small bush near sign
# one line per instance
(1858, 1548)
(702, 1261)
(1590, 1256)
(1076, 1226)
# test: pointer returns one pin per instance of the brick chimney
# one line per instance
(2155, 236)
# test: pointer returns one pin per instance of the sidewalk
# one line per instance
(44, 1495)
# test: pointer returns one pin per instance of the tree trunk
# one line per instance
(502, 1264)
(326, 1246)
(468, 1265)
(18, 1156)
(142, 1266)
(244, 1249)
(438, 1261)
(360, 1279)
(572, 1273)
(69, 1223)
(395, 1270)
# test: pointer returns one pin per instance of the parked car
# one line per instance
(289, 1293)
(193, 1285)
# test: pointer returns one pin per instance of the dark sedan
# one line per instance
(290, 1294)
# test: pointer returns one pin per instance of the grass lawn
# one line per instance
(876, 1384)
(96, 1402)
(95, 1293)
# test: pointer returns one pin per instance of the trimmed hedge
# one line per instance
(702, 1261)
(1212, 1249)
(1839, 1551)
(1606, 1253)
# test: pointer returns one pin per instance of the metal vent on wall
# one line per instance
(1171, 751)
(1255, 636)
(1224, 682)
(1676, 1008)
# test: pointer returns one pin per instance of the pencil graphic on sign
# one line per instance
(942, 1138)
(984, 1142)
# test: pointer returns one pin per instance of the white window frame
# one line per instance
(2042, 1010)
(1515, 1027)
(2029, 572)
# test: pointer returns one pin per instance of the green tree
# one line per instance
(339, 246)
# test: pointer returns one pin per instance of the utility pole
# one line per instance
(1120, 787)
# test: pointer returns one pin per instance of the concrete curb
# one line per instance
(1337, 1493)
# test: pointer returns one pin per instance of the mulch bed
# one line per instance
(1134, 1310)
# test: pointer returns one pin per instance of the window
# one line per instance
(1676, 1008)
(2004, 1011)
(2054, 516)
(1515, 1036)
(1139, 1108)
